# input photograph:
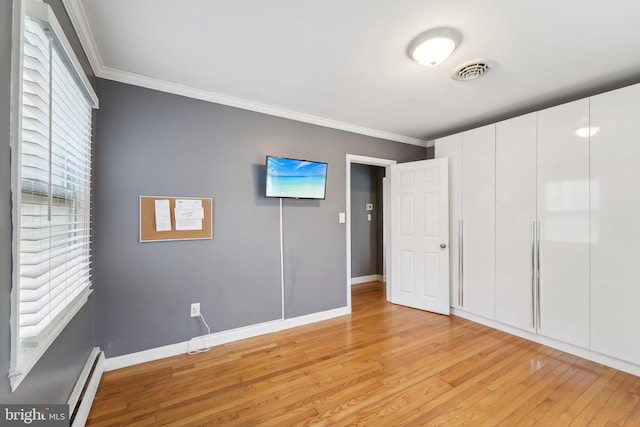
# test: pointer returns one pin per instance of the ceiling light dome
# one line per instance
(434, 46)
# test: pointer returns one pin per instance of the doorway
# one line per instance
(366, 223)
(371, 161)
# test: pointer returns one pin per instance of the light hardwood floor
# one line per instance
(383, 365)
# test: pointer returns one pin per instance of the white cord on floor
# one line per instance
(204, 350)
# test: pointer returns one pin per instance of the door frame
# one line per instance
(372, 161)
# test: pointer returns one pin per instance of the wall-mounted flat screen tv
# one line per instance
(296, 179)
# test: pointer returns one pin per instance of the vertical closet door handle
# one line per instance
(460, 265)
(533, 274)
(539, 233)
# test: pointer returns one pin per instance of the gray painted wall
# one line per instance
(431, 153)
(152, 143)
(54, 376)
(366, 236)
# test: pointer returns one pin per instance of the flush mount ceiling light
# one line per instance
(434, 46)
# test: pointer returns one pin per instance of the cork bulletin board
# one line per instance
(149, 229)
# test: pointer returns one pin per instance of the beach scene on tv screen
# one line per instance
(295, 178)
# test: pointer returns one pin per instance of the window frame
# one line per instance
(24, 359)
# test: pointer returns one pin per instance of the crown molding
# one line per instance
(80, 23)
(79, 20)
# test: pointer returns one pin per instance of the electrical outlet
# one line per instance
(195, 309)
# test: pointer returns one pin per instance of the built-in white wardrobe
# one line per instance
(472, 218)
(615, 223)
(478, 213)
(545, 226)
(516, 223)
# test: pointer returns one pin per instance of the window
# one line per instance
(51, 164)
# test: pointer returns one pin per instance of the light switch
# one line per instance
(368, 217)
(342, 218)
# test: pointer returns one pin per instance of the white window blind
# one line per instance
(52, 245)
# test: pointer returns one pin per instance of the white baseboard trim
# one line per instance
(85, 389)
(219, 338)
(594, 356)
(365, 279)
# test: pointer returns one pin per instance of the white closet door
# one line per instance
(615, 223)
(563, 215)
(451, 147)
(515, 221)
(478, 215)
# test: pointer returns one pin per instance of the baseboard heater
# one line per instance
(85, 389)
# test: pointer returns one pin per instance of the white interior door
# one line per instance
(420, 235)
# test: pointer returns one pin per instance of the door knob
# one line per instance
(443, 245)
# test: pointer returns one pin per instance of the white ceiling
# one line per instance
(344, 63)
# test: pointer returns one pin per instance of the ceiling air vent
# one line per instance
(470, 71)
